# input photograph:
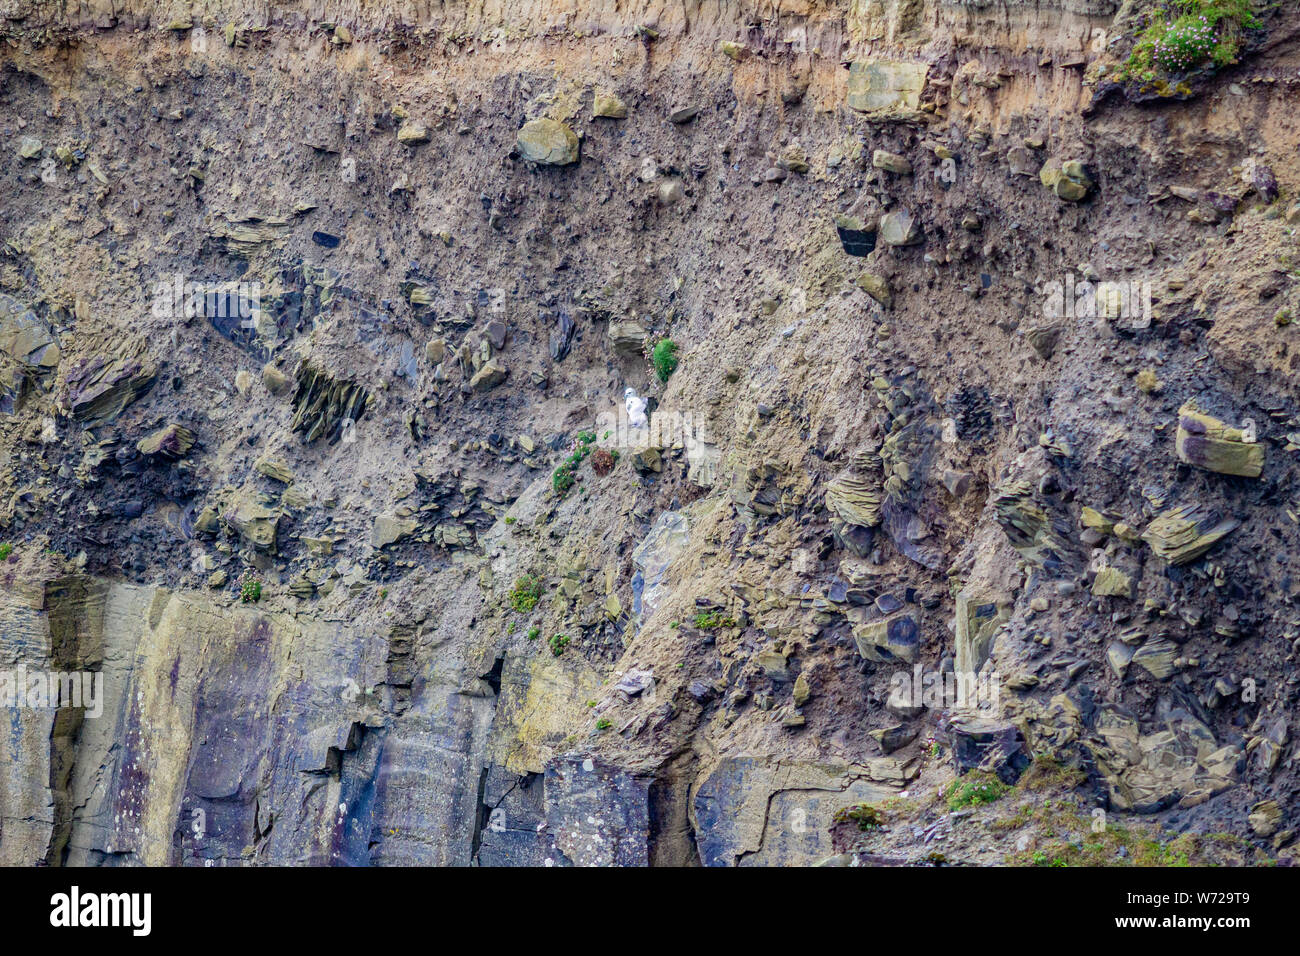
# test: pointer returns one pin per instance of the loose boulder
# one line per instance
(547, 142)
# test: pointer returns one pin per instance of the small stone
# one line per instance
(794, 159)
(892, 738)
(1069, 180)
(683, 114)
(896, 638)
(1043, 339)
(900, 228)
(435, 351)
(891, 162)
(1184, 533)
(1112, 582)
(801, 691)
(858, 229)
(172, 442)
(1265, 818)
(774, 665)
(888, 604)
(547, 142)
(957, 482)
(412, 134)
(489, 376)
(671, 191)
(700, 692)
(275, 381)
(1120, 655)
(735, 51)
(29, 147)
(389, 529)
(274, 468)
(608, 106)
(1264, 182)
(1092, 518)
(635, 682)
(876, 287)
(647, 460)
(1157, 657)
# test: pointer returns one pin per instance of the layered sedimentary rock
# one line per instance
(319, 449)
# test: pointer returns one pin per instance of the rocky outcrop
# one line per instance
(610, 439)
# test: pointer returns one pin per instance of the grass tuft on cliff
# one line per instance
(1181, 36)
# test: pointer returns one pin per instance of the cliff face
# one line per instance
(316, 322)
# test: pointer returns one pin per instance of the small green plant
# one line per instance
(511, 519)
(974, 789)
(1048, 773)
(866, 816)
(510, 628)
(562, 479)
(534, 633)
(664, 358)
(6, 549)
(250, 590)
(564, 476)
(525, 594)
(591, 702)
(558, 643)
(712, 620)
(1184, 35)
(604, 723)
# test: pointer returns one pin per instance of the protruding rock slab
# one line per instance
(324, 405)
(900, 228)
(979, 743)
(752, 810)
(390, 529)
(101, 386)
(248, 515)
(1208, 443)
(1181, 535)
(25, 337)
(171, 441)
(1069, 180)
(598, 814)
(896, 638)
(886, 87)
(857, 236)
(548, 142)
